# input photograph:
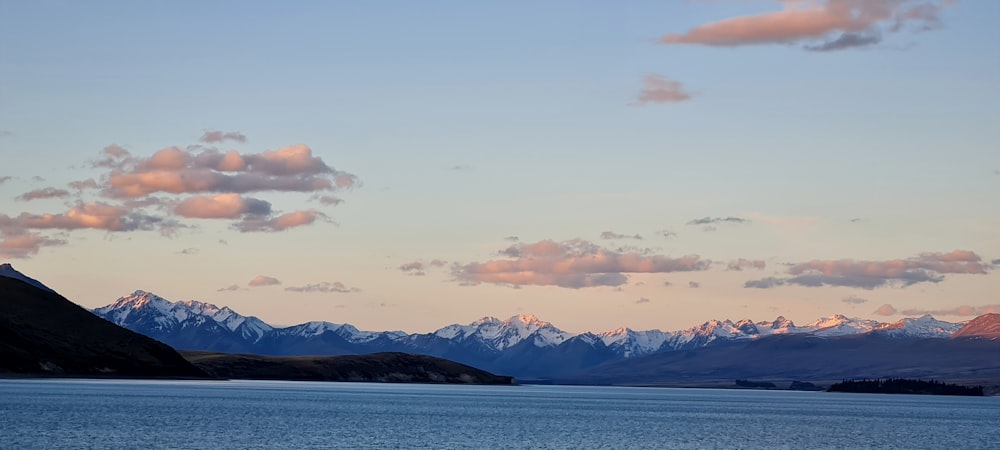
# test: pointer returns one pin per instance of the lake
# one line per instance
(276, 414)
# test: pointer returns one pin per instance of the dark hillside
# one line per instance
(42, 333)
(378, 367)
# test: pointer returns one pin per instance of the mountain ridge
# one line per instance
(522, 345)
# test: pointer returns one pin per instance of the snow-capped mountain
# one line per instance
(186, 325)
(522, 344)
(628, 343)
(921, 327)
(499, 334)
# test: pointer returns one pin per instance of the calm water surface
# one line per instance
(266, 414)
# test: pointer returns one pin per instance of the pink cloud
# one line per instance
(324, 287)
(926, 267)
(658, 89)
(885, 310)
(572, 264)
(835, 24)
(39, 194)
(279, 223)
(25, 244)
(176, 171)
(262, 280)
(222, 206)
(99, 216)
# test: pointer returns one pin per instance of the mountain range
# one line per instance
(522, 345)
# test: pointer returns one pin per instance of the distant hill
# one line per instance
(42, 333)
(805, 357)
(986, 326)
(378, 367)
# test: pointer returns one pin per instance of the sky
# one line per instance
(408, 165)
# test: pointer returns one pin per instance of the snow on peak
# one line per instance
(501, 334)
(630, 343)
(839, 325)
(169, 314)
(924, 326)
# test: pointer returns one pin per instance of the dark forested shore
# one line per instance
(905, 386)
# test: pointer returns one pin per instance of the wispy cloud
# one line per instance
(818, 25)
(613, 235)
(5, 178)
(854, 300)
(746, 264)
(419, 268)
(718, 220)
(571, 264)
(231, 287)
(658, 89)
(694, 284)
(215, 137)
(189, 251)
(263, 280)
(963, 310)
(324, 287)
(642, 300)
(38, 194)
(923, 268)
(99, 216)
(25, 245)
(279, 223)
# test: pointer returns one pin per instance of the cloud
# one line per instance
(694, 284)
(963, 310)
(5, 133)
(718, 220)
(571, 264)
(419, 268)
(328, 200)
(44, 193)
(923, 268)
(89, 183)
(415, 268)
(885, 310)
(854, 300)
(5, 179)
(744, 264)
(280, 223)
(847, 40)
(222, 206)
(667, 234)
(324, 287)
(24, 245)
(262, 280)
(764, 283)
(231, 287)
(642, 300)
(189, 251)
(214, 137)
(461, 167)
(99, 216)
(659, 89)
(613, 235)
(818, 25)
(512, 238)
(667, 283)
(176, 171)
